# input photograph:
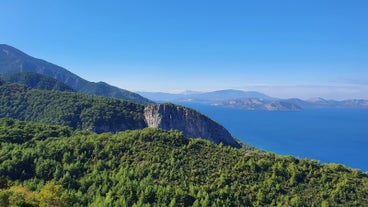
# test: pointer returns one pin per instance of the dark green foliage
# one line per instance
(36, 81)
(20, 132)
(78, 111)
(13, 60)
(99, 114)
(104, 89)
(152, 167)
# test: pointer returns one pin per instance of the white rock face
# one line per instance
(190, 122)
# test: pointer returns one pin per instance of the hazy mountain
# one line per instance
(228, 95)
(354, 103)
(323, 103)
(204, 97)
(36, 80)
(13, 60)
(259, 104)
(249, 100)
(290, 104)
(162, 97)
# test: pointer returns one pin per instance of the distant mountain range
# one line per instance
(252, 100)
(13, 60)
(204, 97)
(323, 103)
(259, 104)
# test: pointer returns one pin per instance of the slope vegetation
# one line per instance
(101, 114)
(35, 80)
(76, 110)
(55, 166)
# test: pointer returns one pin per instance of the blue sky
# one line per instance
(304, 48)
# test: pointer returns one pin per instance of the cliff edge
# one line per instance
(190, 122)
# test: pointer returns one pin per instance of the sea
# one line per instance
(338, 135)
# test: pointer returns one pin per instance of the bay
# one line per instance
(327, 135)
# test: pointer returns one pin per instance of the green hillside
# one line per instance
(13, 60)
(78, 111)
(102, 114)
(36, 81)
(44, 165)
(104, 89)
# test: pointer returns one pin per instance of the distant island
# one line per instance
(252, 100)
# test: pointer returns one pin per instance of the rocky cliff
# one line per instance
(191, 123)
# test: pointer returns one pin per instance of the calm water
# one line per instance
(327, 135)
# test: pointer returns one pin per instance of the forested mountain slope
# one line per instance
(36, 81)
(13, 60)
(76, 110)
(102, 114)
(43, 165)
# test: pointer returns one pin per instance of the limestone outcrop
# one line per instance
(190, 122)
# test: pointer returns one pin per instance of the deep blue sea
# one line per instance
(327, 135)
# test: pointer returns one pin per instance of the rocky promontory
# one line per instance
(190, 122)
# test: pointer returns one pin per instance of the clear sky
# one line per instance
(295, 48)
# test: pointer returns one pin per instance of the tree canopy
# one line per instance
(36, 81)
(42, 165)
(78, 111)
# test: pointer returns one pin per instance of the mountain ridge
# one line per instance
(252, 100)
(13, 60)
(205, 97)
(36, 80)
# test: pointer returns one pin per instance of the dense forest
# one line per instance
(36, 81)
(45, 165)
(78, 111)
